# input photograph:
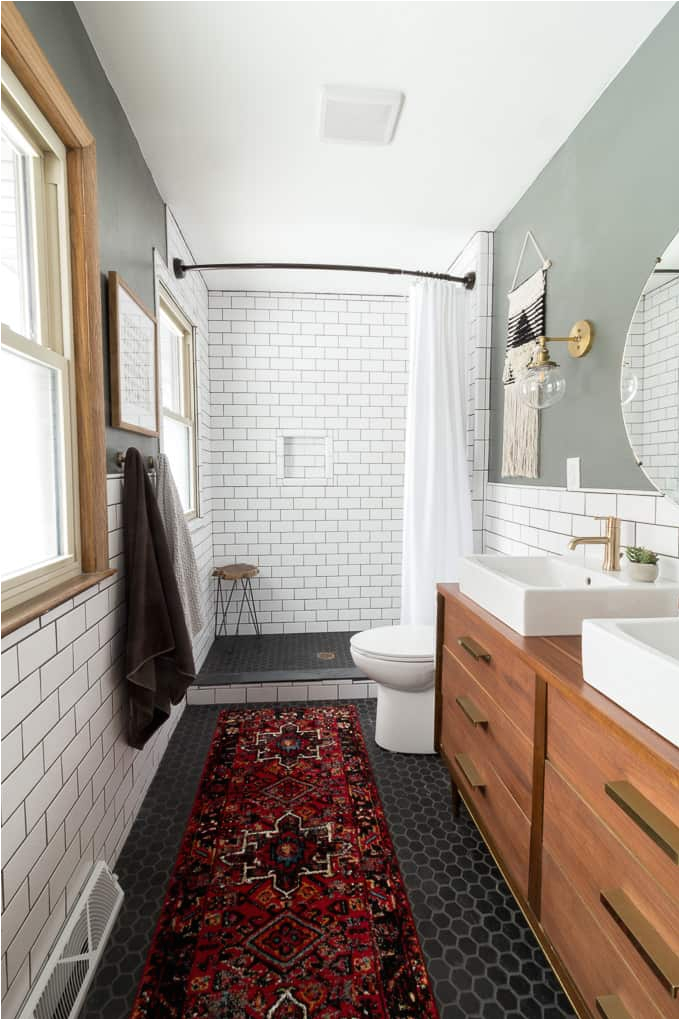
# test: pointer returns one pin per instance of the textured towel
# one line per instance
(159, 664)
(180, 545)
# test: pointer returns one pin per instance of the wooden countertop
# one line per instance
(558, 661)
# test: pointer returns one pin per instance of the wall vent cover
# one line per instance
(64, 980)
(366, 116)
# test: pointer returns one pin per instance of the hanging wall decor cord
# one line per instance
(545, 263)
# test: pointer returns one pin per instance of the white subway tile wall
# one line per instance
(284, 364)
(240, 694)
(652, 415)
(634, 359)
(477, 257)
(529, 520)
(71, 784)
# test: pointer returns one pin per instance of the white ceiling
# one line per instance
(224, 100)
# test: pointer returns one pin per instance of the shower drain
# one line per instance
(325, 656)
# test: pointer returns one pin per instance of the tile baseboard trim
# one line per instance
(244, 694)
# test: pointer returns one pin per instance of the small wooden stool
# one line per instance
(235, 572)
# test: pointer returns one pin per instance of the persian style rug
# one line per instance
(286, 900)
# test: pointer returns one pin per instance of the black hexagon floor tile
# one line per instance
(482, 957)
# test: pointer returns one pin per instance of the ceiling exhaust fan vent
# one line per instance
(363, 116)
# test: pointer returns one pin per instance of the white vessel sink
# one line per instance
(541, 595)
(635, 664)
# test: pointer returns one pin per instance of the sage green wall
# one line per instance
(131, 211)
(603, 209)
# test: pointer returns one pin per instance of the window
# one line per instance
(54, 445)
(40, 534)
(178, 429)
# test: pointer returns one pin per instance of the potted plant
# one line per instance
(643, 564)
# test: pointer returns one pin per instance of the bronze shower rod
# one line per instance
(181, 269)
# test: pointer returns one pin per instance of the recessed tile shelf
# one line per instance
(304, 457)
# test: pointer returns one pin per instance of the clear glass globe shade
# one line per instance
(542, 386)
(629, 384)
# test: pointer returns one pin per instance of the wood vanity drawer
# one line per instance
(593, 962)
(507, 828)
(633, 791)
(491, 734)
(641, 919)
(493, 663)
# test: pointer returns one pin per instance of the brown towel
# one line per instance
(159, 663)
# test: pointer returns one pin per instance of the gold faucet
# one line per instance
(611, 540)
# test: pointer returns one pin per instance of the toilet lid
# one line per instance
(409, 642)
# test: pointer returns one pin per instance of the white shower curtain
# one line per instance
(437, 499)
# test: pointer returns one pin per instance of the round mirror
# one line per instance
(649, 376)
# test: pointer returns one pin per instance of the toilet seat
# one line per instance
(403, 643)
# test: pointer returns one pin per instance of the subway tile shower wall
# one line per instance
(332, 368)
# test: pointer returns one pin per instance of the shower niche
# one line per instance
(304, 457)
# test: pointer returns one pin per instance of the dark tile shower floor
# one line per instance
(279, 657)
(481, 955)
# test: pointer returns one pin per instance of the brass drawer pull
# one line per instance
(610, 1006)
(473, 649)
(469, 770)
(644, 937)
(474, 714)
(652, 821)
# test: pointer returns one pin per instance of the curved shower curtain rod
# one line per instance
(181, 269)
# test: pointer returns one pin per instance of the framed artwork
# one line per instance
(133, 343)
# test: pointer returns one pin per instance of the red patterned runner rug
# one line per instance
(286, 899)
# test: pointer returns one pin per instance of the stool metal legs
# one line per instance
(223, 603)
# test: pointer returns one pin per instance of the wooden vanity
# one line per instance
(577, 801)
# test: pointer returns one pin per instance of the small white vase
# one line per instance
(643, 571)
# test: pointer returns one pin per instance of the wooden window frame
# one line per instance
(168, 305)
(50, 344)
(27, 61)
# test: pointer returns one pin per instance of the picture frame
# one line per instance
(133, 353)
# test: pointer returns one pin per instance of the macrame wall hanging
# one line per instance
(526, 322)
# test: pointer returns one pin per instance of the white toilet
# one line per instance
(401, 662)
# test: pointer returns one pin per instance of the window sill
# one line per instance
(30, 610)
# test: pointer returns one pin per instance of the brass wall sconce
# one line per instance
(542, 383)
